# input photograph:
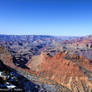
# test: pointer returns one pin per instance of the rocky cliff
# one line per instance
(6, 57)
(64, 69)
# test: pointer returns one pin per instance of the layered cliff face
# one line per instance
(85, 46)
(85, 42)
(81, 46)
(6, 57)
(64, 69)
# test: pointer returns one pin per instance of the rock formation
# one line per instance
(6, 57)
(63, 71)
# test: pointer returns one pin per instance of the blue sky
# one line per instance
(46, 17)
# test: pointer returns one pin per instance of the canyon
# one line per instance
(61, 63)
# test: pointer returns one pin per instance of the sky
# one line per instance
(46, 17)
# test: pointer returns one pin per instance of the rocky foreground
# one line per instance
(69, 71)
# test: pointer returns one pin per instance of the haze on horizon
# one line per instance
(46, 17)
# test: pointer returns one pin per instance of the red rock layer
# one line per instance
(61, 70)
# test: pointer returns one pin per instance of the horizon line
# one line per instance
(44, 35)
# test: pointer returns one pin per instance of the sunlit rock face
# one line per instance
(67, 72)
